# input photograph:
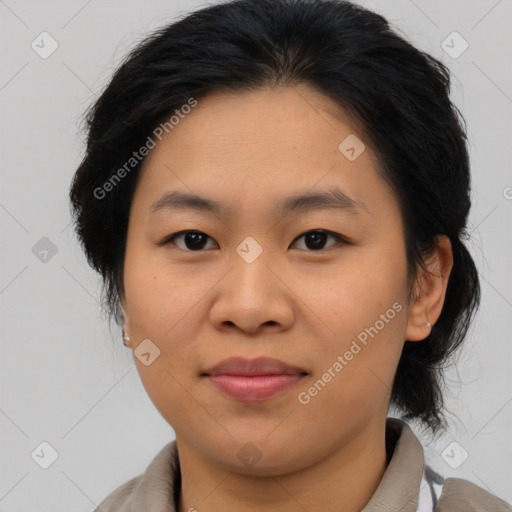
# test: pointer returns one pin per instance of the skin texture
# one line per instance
(294, 303)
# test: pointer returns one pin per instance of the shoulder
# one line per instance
(148, 491)
(463, 496)
(408, 473)
(120, 498)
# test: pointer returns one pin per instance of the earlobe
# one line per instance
(431, 289)
(126, 328)
(418, 325)
(126, 338)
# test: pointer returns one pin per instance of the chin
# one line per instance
(263, 458)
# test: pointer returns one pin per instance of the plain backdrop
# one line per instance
(67, 381)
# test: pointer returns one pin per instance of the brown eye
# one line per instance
(315, 240)
(192, 240)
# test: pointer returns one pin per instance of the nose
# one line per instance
(253, 297)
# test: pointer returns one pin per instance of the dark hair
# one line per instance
(398, 94)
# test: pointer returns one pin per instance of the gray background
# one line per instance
(65, 379)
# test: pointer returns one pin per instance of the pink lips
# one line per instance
(253, 380)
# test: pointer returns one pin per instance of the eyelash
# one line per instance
(340, 239)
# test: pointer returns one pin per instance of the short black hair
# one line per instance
(398, 94)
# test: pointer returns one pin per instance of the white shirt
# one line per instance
(430, 490)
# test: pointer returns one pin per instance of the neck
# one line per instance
(345, 479)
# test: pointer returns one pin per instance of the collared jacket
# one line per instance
(408, 485)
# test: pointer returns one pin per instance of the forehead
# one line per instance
(252, 147)
(276, 117)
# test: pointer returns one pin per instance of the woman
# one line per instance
(275, 194)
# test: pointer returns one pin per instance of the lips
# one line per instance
(253, 380)
(248, 367)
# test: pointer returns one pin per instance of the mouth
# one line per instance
(253, 380)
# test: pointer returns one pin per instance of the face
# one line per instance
(320, 286)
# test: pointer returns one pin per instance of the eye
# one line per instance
(194, 240)
(315, 239)
(197, 240)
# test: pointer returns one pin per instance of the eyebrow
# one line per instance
(332, 198)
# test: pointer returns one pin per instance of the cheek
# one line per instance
(159, 295)
(363, 312)
(355, 368)
(169, 392)
(352, 293)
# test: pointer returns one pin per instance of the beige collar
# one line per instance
(156, 489)
(400, 485)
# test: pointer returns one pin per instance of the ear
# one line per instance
(126, 322)
(430, 291)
